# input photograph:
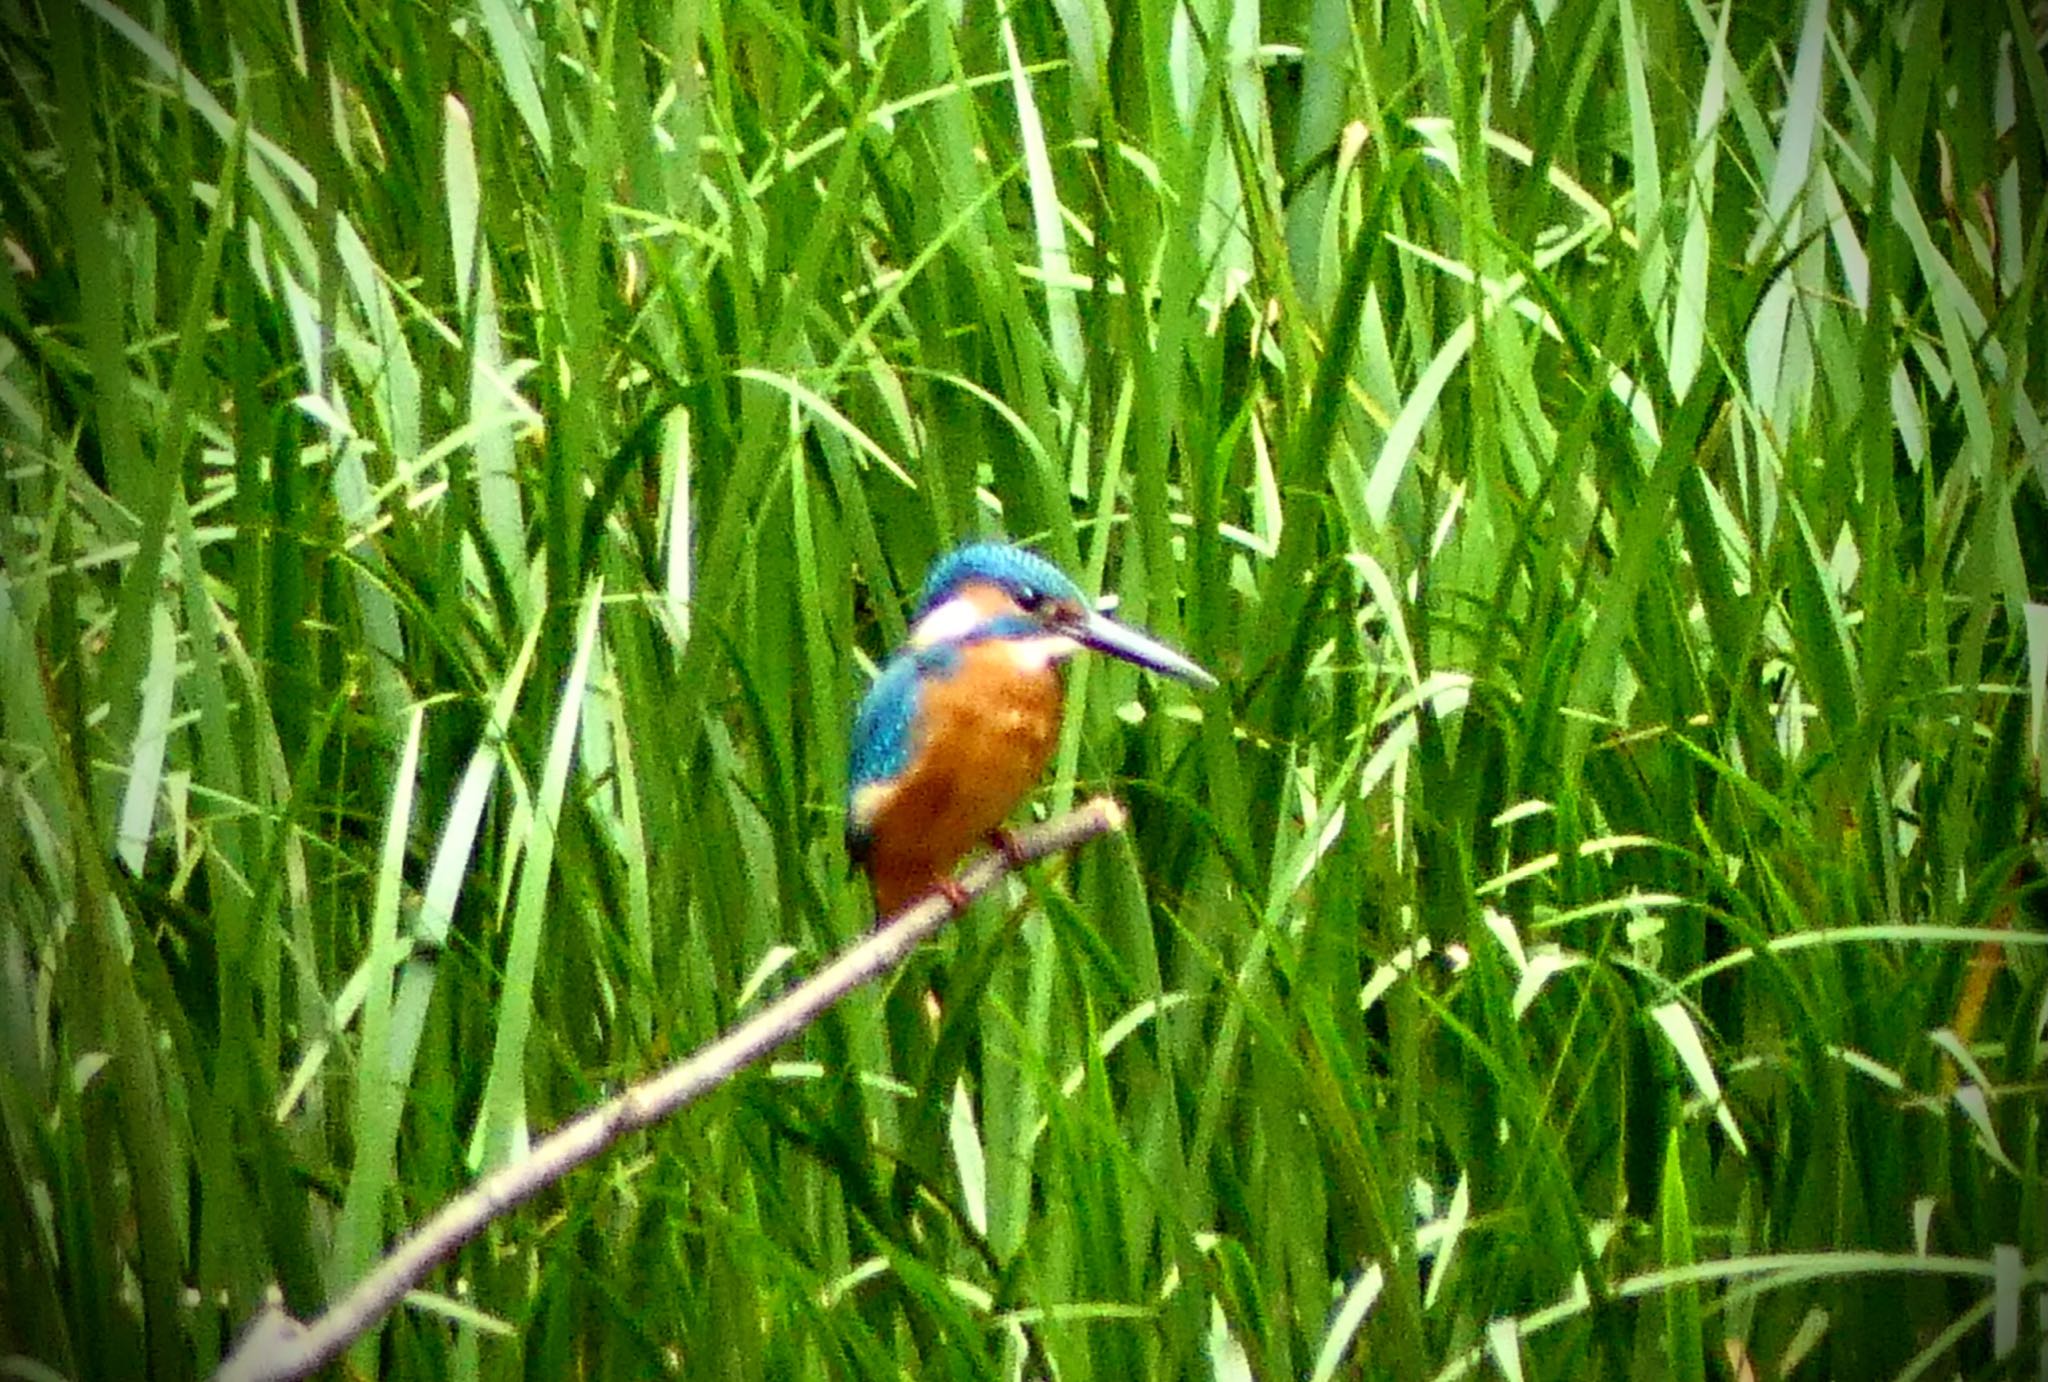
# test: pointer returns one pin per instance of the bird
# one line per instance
(959, 723)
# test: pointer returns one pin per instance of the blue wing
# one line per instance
(884, 730)
(881, 727)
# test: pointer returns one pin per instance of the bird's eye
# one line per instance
(1031, 601)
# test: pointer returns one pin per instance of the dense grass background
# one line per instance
(461, 464)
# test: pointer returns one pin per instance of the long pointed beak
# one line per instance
(1106, 635)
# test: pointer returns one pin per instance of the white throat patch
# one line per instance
(1037, 654)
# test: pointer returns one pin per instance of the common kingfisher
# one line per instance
(958, 726)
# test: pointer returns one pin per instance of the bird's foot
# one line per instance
(955, 895)
(1004, 841)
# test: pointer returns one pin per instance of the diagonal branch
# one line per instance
(276, 1346)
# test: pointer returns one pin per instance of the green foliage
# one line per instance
(460, 466)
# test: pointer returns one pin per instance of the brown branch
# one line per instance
(276, 1346)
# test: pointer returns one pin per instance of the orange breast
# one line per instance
(983, 737)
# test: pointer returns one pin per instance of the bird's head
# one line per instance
(995, 590)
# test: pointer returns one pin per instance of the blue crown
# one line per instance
(1024, 575)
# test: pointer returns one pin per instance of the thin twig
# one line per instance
(276, 1346)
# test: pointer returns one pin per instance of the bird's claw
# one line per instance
(1004, 841)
